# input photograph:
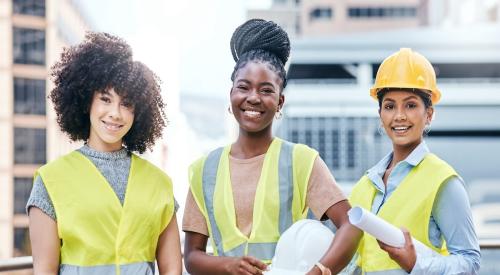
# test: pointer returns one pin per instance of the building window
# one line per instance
(22, 190)
(29, 7)
(382, 12)
(29, 46)
(320, 14)
(22, 246)
(30, 146)
(346, 144)
(334, 160)
(351, 149)
(29, 96)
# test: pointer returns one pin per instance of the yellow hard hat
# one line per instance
(406, 69)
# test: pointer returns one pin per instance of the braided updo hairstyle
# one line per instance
(258, 40)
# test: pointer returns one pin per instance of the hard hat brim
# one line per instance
(435, 94)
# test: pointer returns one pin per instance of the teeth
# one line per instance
(112, 126)
(252, 113)
(400, 128)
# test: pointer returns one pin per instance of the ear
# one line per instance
(430, 114)
(281, 101)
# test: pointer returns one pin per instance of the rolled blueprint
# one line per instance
(384, 231)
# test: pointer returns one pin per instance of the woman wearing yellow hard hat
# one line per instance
(411, 187)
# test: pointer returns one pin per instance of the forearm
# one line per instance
(198, 262)
(467, 263)
(44, 243)
(342, 249)
(345, 242)
(168, 253)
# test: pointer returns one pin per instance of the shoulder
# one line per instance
(198, 163)
(215, 154)
(145, 167)
(60, 163)
(301, 150)
(434, 160)
(299, 146)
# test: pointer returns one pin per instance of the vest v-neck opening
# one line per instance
(106, 182)
(266, 157)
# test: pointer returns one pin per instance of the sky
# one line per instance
(185, 42)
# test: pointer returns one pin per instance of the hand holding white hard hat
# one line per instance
(300, 247)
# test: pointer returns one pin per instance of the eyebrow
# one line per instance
(405, 99)
(105, 92)
(260, 84)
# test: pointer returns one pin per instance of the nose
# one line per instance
(115, 111)
(400, 114)
(253, 97)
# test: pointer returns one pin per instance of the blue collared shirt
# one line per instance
(451, 218)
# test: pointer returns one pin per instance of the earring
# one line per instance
(427, 129)
(380, 129)
(229, 110)
(278, 114)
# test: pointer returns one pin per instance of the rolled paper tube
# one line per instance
(384, 231)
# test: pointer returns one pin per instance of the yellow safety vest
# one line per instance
(410, 206)
(280, 198)
(99, 235)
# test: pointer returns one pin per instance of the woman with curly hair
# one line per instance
(245, 195)
(102, 209)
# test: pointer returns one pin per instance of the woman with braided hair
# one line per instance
(101, 209)
(245, 195)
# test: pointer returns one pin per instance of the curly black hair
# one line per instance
(259, 40)
(103, 61)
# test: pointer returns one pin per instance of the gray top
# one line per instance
(114, 166)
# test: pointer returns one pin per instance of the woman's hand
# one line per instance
(246, 265)
(317, 271)
(405, 256)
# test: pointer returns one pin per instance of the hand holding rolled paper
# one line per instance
(405, 256)
(384, 231)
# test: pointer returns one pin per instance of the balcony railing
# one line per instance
(490, 250)
(16, 263)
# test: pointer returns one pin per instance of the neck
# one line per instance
(249, 145)
(104, 147)
(402, 152)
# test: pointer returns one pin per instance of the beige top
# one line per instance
(322, 192)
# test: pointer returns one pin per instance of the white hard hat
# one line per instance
(300, 247)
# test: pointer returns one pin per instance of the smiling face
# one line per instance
(404, 116)
(256, 97)
(110, 119)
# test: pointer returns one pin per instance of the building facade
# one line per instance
(329, 108)
(32, 36)
(320, 18)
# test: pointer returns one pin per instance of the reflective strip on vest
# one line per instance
(285, 172)
(262, 250)
(146, 268)
(235, 252)
(209, 178)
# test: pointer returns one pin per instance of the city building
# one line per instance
(32, 36)
(319, 18)
(309, 18)
(329, 108)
